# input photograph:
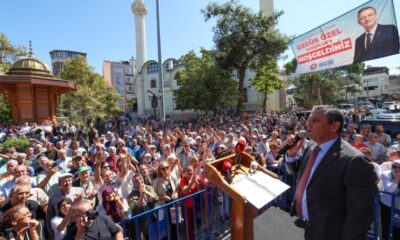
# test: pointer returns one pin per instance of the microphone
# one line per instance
(302, 134)
(239, 148)
(227, 168)
(228, 176)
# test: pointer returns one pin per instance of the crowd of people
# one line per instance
(73, 181)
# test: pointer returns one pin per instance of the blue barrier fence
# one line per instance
(206, 218)
(206, 215)
(394, 217)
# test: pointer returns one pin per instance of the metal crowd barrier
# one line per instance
(394, 216)
(209, 218)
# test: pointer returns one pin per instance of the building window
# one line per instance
(152, 68)
(153, 83)
(130, 80)
(171, 65)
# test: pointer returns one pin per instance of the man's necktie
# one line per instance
(368, 41)
(304, 179)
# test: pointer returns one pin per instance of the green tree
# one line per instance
(5, 111)
(324, 87)
(290, 67)
(9, 53)
(267, 80)
(204, 85)
(244, 40)
(94, 97)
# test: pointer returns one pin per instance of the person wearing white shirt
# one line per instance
(390, 182)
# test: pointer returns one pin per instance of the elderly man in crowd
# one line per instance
(378, 151)
(207, 135)
(64, 190)
(8, 175)
(48, 179)
(263, 146)
(20, 170)
(37, 194)
(185, 154)
(383, 137)
(88, 224)
(396, 146)
(20, 194)
(63, 161)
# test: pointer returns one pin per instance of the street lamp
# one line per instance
(153, 99)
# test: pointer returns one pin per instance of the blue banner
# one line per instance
(364, 33)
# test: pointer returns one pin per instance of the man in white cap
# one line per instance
(263, 146)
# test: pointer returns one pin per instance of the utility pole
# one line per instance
(160, 68)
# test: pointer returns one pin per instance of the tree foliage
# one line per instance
(267, 80)
(94, 97)
(9, 53)
(324, 87)
(290, 67)
(205, 86)
(244, 39)
(19, 143)
(5, 111)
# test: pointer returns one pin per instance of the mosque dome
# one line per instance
(30, 66)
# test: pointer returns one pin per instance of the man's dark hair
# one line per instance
(333, 115)
(365, 8)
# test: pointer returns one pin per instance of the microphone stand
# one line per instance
(238, 165)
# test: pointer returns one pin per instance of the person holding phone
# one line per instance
(88, 224)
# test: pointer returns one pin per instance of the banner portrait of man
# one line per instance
(378, 40)
(364, 33)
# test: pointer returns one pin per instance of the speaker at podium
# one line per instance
(249, 185)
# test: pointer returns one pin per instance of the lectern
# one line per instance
(242, 210)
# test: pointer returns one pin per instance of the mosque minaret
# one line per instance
(267, 7)
(139, 9)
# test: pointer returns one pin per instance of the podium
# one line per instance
(240, 191)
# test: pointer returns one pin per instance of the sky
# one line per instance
(105, 29)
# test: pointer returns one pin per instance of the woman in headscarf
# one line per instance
(390, 181)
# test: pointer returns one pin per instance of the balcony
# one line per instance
(167, 84)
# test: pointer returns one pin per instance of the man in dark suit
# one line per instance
(378, 40)
(336, 183)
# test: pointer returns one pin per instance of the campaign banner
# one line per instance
(367, 32)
